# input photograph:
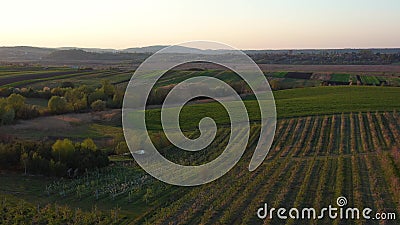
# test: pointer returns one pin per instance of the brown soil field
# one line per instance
(58, 124)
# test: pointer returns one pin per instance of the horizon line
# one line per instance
(260, 49)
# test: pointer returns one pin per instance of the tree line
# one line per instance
(14, 107)
(63, 99)
(62, 158)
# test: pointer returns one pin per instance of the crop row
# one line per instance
(325, 168)
(313, 161)
(369, 80)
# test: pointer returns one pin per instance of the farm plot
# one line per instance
(370, 80)
(298, 75)
(298, 179)
(340, 78)
(277, 74)
(13, 79)
(92, 79)
(313, 161)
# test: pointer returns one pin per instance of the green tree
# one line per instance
(107, 88)
(67, 84)
(24, 161)
(57, 168)
(88, 143)
(98, 105)
(275, 85)
(59, 91)
(57, 105)
(7, 116)
(16, 101)
(28, 112)
(76, 98)
(63, 151)
(85, 89)
(97, 95)
(117, 99)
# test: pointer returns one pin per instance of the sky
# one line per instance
(243, 24)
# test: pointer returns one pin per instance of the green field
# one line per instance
(332, 156)
(340, 77)
(297, 102)
(329, 142)
(370, 80)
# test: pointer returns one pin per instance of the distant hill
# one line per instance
(175, 49)
(148, 49)
(98, 50)
(23, 53)
(78, 54)
(138, 55)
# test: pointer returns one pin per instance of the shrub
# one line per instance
(118, 99)
(63, 150)
(4, 92)
(28, 112)
(88, 143)
(57, 105)
(8, 156)
(107, 88)
(8, 116)
(16, 101)
(275, 85)
(59, 91)
(121, 148)
(98, 105)
(67, 84)
(97, 95)
(76, 98)
(7, 113)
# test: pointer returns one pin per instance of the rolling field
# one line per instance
(314, 160)
(55, 76)
(330, 142)
(290, 103)
(295, 103)
(19, 79)
(38, 77)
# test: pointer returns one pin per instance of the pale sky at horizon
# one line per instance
(258, 24)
